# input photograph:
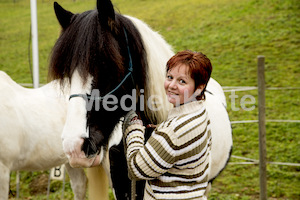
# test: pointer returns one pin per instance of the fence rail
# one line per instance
(268, 120)
(256, 162)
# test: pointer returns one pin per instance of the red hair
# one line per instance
(200, 67)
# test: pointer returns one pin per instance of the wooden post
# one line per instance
(262, 127)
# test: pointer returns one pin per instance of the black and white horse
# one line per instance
(115, 63)
(31, 122)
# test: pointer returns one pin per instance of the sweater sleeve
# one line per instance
(150, 160)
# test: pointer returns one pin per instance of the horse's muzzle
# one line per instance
(77, 157)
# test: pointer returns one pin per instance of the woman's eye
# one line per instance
(169, 77)
(182, 81)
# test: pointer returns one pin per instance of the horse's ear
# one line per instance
(63, 16)
(106, 12)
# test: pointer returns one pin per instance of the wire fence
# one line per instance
(248, 161)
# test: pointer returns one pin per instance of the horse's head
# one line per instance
(102, 55)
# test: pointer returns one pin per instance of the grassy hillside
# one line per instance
(232, 34)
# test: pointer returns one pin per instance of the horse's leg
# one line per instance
(78, 181)
(4, 181)
(98, 183)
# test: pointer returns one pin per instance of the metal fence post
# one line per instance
(18, 184)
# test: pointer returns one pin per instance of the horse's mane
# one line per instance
(91, 48)
(158, 53)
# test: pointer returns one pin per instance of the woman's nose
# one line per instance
(173, 84)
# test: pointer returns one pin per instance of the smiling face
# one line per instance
(195, 73)
(179, 85)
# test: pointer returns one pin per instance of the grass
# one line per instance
(232, 34)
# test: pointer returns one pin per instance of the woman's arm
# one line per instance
(150, 160)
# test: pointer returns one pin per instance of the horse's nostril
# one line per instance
(89, 148)
(92, 155)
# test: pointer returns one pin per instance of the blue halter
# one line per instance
(130, 70)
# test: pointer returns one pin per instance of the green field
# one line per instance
(232, 33)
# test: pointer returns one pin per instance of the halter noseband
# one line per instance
(130, 70)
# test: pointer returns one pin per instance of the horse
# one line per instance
(115, 63)
(31, 122)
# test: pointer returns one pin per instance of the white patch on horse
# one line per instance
(75, 128)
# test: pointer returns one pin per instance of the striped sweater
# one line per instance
(175, 160)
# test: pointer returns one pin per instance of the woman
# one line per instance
(175, 161)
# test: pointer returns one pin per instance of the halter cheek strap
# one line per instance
(130, 70)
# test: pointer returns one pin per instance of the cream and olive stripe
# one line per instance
(175, 160)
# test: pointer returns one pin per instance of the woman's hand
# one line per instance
(131, 118)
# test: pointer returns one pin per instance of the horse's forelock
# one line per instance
(76, 47)
(85, 46)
